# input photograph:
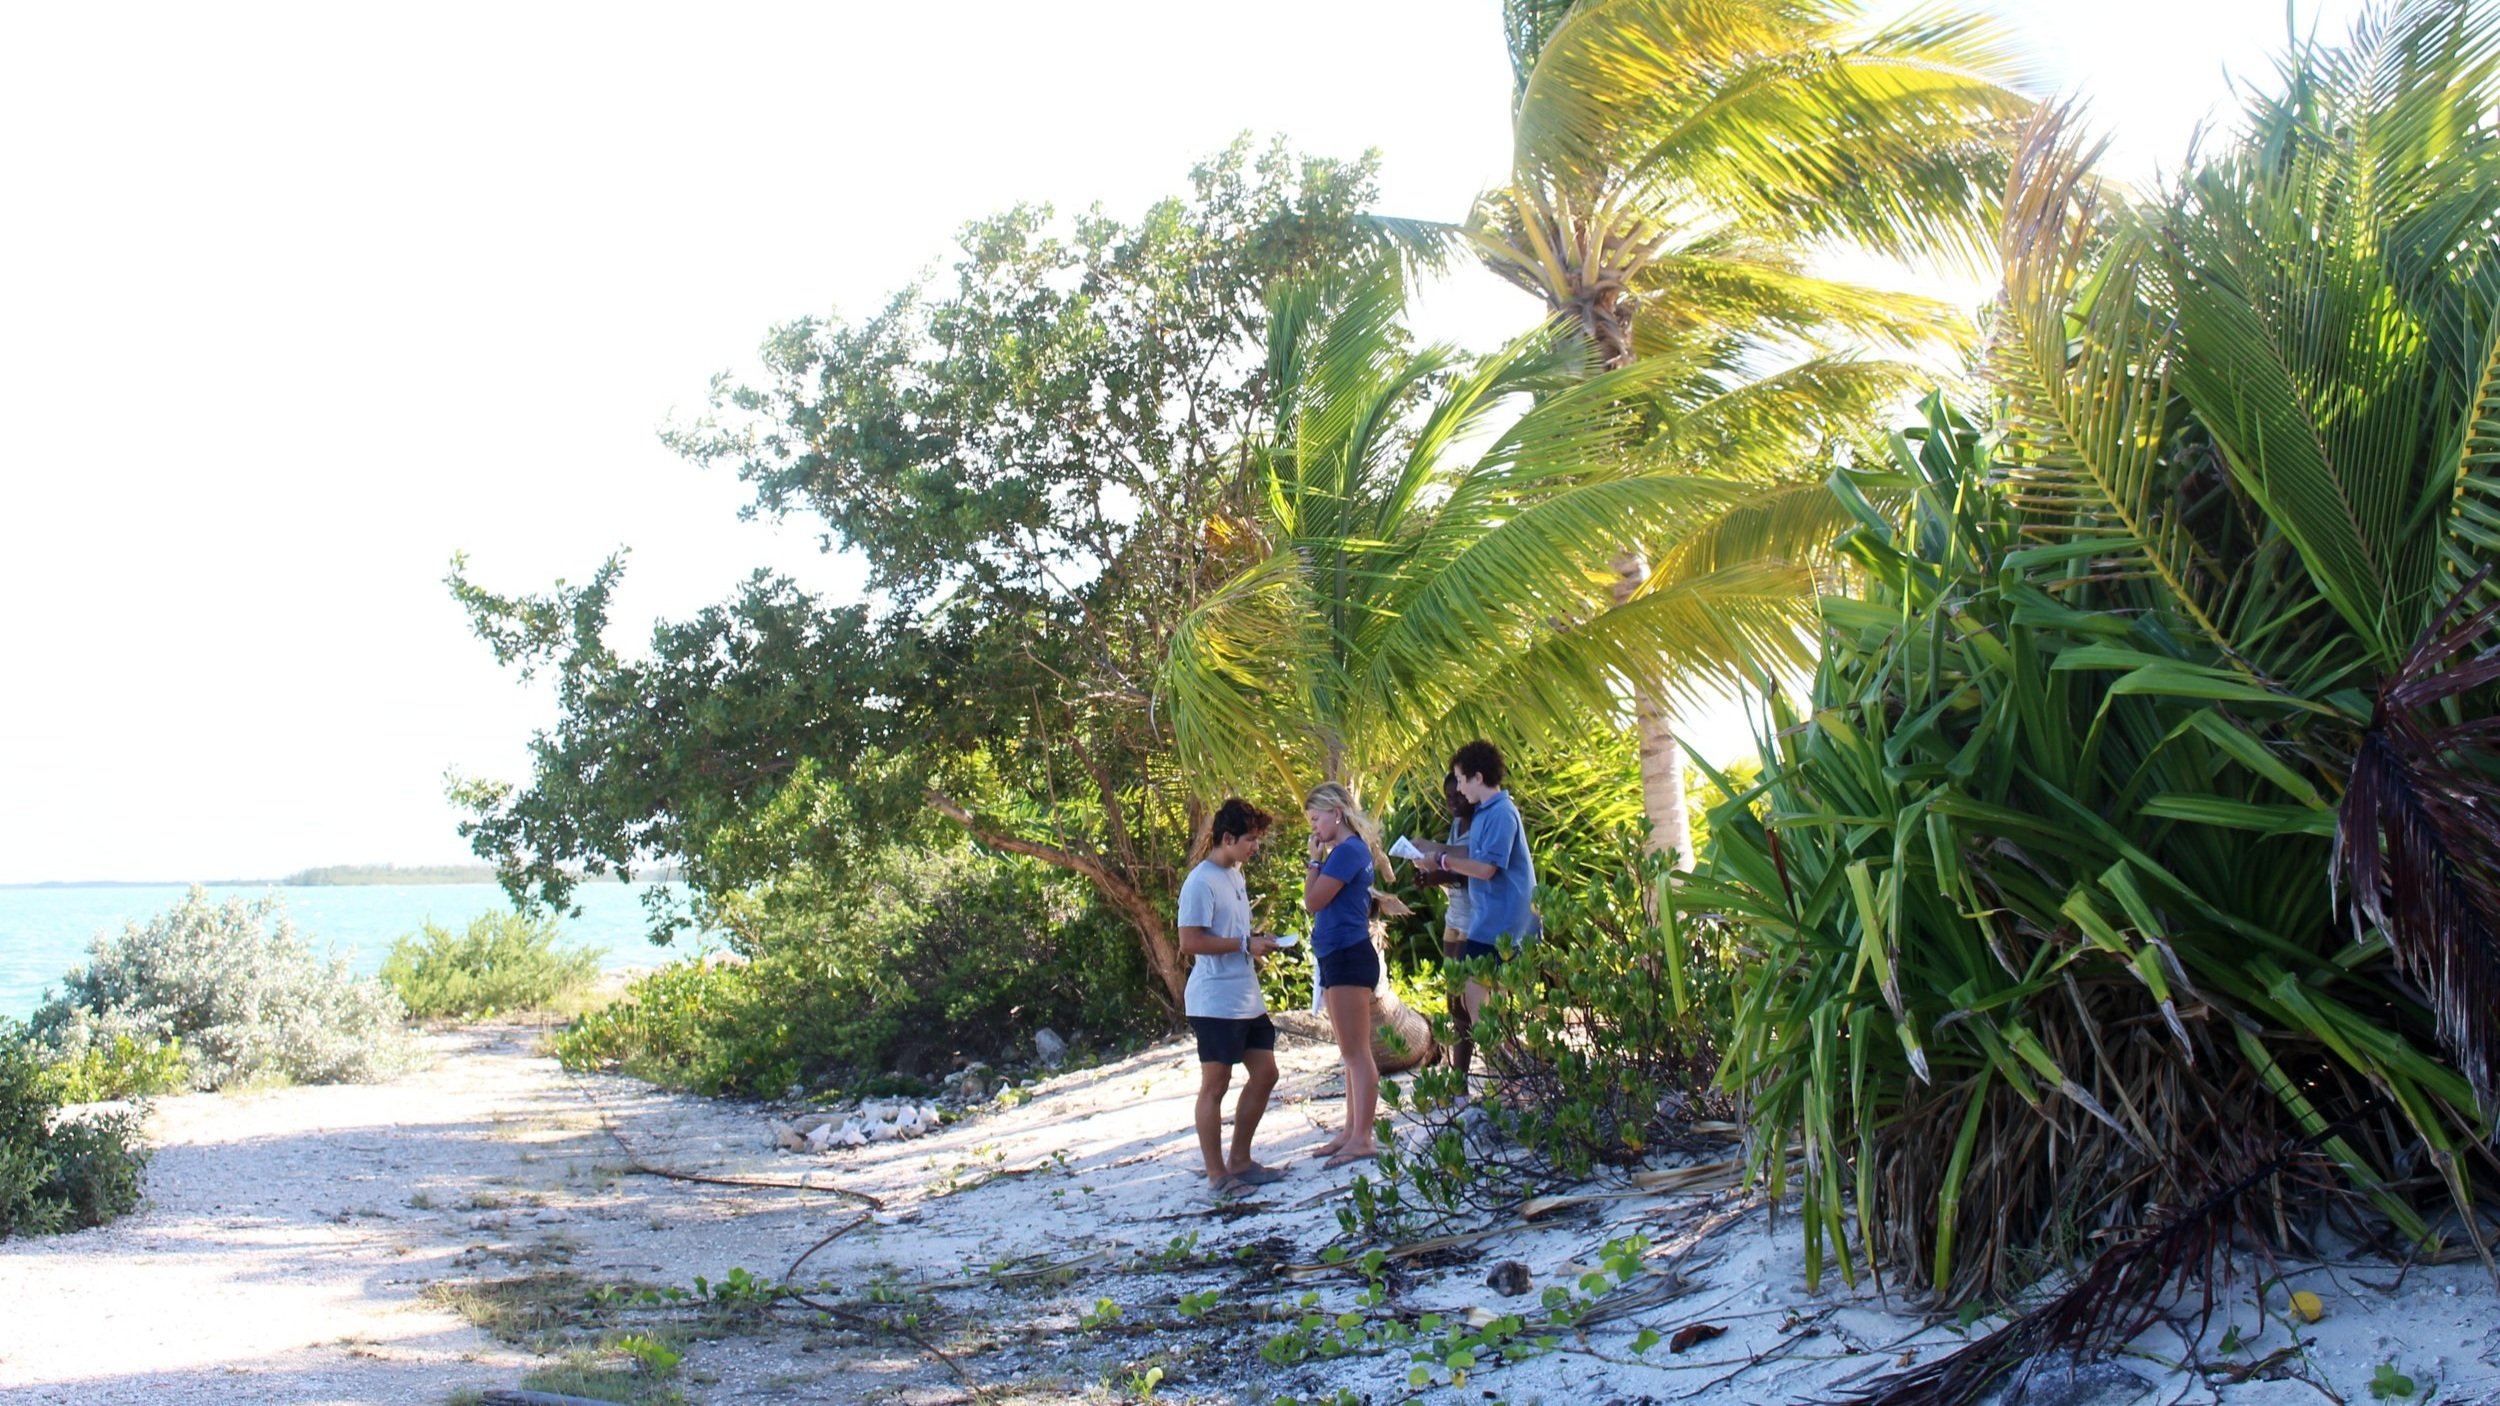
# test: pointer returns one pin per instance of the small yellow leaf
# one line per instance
(2307, 1307)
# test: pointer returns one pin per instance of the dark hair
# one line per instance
(1462, 809)
(1481, 759)
(1236, 819)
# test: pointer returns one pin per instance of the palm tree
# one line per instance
(1678, 161)
(1424, 573)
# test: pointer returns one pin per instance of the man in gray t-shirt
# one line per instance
(1222, 999)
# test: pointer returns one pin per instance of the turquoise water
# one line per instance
(44, 932)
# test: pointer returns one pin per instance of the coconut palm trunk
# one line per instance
(1662, 756)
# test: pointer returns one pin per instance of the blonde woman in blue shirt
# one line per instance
(1337, 893)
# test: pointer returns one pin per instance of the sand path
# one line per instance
(289, 1238)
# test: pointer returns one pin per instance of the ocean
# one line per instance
(46, 931)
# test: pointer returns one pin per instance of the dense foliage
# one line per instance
(911, 959)
(244, 995)
(2140, 822)
(58, 1173)
(501, 962)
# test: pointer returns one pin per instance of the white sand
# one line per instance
(280, 1259)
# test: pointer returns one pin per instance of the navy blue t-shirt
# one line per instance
(1347, 920)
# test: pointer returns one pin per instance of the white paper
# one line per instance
(1405, 849)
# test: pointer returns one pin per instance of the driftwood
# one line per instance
(514, 1396)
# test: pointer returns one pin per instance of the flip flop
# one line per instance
(1230, 1189)
(1344, 1158)
(1259, 1174)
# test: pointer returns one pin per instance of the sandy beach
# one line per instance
(313, 1245)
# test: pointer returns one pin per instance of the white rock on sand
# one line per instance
(290, 1232)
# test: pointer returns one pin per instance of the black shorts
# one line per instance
(1358, 965)
(1223, 1041)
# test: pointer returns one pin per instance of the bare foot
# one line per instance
(1350, 1154)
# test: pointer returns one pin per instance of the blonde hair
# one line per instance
(1328, 795)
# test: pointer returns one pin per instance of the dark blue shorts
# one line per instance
(1223, 1041)
(1475, 949)
(1358, 965)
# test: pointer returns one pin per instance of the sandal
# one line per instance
(1345, 1158)
(1229, 1190)
(1259, 1174)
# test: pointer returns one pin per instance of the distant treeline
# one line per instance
(340, 875)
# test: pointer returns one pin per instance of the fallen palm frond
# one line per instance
(2128, 1289)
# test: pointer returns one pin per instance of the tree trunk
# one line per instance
(1162, 951)
(1662, 757)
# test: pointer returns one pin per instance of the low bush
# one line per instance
(58, 1173)
(502, 962)
(246, 998)
(121, 1068)
(913, 957)
(1599, 1044)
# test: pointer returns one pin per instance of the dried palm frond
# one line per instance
(2418, 840)
(2125, 1291)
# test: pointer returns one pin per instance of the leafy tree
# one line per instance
(1677, 163)
(1029, 462)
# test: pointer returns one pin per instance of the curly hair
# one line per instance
(1235, 819)
(1480, 758)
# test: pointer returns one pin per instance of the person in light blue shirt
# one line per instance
(1501, 877)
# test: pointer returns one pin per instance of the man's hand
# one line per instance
(1261, 944)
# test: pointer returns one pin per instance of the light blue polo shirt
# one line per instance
(1501, 903)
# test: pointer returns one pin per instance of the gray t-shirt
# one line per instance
(1225, 985)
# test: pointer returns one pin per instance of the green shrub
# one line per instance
(502, 962)
(912, 958)
(58, 1174)
(2040, 946)
(1599, 1042)
(243, 994)
(121, 1068)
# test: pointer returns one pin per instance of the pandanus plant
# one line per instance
(2144, 817)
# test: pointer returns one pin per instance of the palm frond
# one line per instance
(1685, 642)
(1782, 121)
(2080, 352)
(1236, 685)
(2418, 839)
(1720, 282)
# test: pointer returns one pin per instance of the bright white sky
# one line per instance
(296, 301)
